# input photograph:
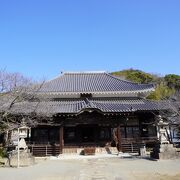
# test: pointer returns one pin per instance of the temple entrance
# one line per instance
(87, 134)
(84, 135)
(81, 134)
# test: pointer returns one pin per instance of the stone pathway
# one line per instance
(96, 169)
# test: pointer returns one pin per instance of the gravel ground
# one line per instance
(101, 168)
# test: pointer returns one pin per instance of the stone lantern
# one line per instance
(163, 149)
(23, 132)
(162, 130)
(21, 156)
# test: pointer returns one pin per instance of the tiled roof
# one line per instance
(75, 106)
(125, 105)
(89, 82)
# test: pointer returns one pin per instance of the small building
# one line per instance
(90, 109)
(175, 133)
(174, 125)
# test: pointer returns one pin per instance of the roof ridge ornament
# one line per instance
(89, 104)
(83, 72)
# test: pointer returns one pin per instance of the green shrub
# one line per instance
(2, 152)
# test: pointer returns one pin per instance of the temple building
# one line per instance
(90, 109)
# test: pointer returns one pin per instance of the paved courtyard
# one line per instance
(113, 168)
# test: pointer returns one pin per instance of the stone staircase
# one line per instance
(106, 150)
(99, 150)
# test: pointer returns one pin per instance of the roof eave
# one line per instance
(97, 92)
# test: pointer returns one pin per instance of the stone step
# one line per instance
(99, 150)
(70, 150)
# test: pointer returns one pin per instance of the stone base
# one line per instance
(142, 152)
(25, 158)
(164, 151)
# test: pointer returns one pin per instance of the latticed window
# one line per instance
(104, 133)
(123, 134)
(132, 131)
(69, 134)
(54, 136)
(40, 136)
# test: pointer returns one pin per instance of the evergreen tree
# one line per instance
(165, 86)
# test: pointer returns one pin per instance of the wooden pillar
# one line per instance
(61, 139)
(119, 138)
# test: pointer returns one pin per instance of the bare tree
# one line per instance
(19, 101)
(171, 114)
(10, 81)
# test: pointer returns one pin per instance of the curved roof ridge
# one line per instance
(118, 78)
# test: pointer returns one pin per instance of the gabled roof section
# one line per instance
(76, 106)
(92, 82)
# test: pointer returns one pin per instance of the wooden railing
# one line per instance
(45, 150)
(134, 144)
(127, 145)
(132, 147)
(139, 139)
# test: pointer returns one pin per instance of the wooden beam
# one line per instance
(61, 139)
(119, 138)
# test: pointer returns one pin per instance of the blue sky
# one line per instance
(41, 38)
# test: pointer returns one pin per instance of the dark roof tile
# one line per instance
(91, 82)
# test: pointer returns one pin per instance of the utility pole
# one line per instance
(18, 151)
